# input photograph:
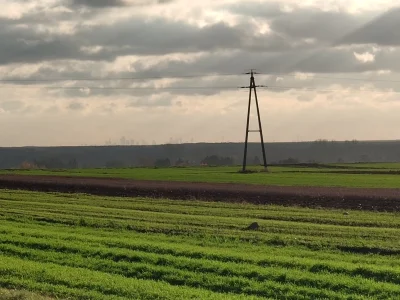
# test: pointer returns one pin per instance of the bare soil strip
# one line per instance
(330, 197)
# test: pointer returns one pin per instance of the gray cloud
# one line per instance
(381, 31)
(306, 97)
(256, 9)
(231, 49)
(158, 36)
(28, 45)
(152, 101)
(326, 60)
(98, 3)
(115, 3)
(303, 22)
(11, 106)
(334, 60)
(314, 24)
(330, 60)
(76, 106)
(135, 36)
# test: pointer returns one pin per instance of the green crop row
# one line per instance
(122, 207)
(271, 232)
(87, 247)
(208, 248)
(163, 266)
(49, 277)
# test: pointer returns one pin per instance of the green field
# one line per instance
(382, 175)
(87, 247)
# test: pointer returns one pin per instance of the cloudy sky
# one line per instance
(76, 72)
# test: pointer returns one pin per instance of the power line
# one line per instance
(335, 78)
(324, 90)
(124, 88)
(115, 78)
(28, 80)
(271, 87)
(268, 87)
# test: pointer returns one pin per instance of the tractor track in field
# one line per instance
(324, 197)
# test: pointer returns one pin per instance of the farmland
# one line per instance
(165, 239)
(379, 175)
(351, 186)
(89, 247)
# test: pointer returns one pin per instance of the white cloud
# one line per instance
(365, 57)
(384, 72)
(303, 76)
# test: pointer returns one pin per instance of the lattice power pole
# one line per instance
(253, 87)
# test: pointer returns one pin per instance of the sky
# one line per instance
(94, 72)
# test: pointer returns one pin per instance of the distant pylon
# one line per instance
(253, 87)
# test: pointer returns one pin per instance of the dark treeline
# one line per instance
(197, 154)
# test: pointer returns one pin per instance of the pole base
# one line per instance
(247, 171)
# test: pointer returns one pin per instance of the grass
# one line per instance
(20, 295)
(87, 247)
(379, 175)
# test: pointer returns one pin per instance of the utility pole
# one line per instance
(253, 87)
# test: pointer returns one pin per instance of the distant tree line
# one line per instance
(50, 163)
(212, 160)
(215, 160)
(179, 155)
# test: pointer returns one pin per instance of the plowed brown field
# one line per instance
(346, 198)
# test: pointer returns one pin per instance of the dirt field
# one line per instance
(346, 198)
